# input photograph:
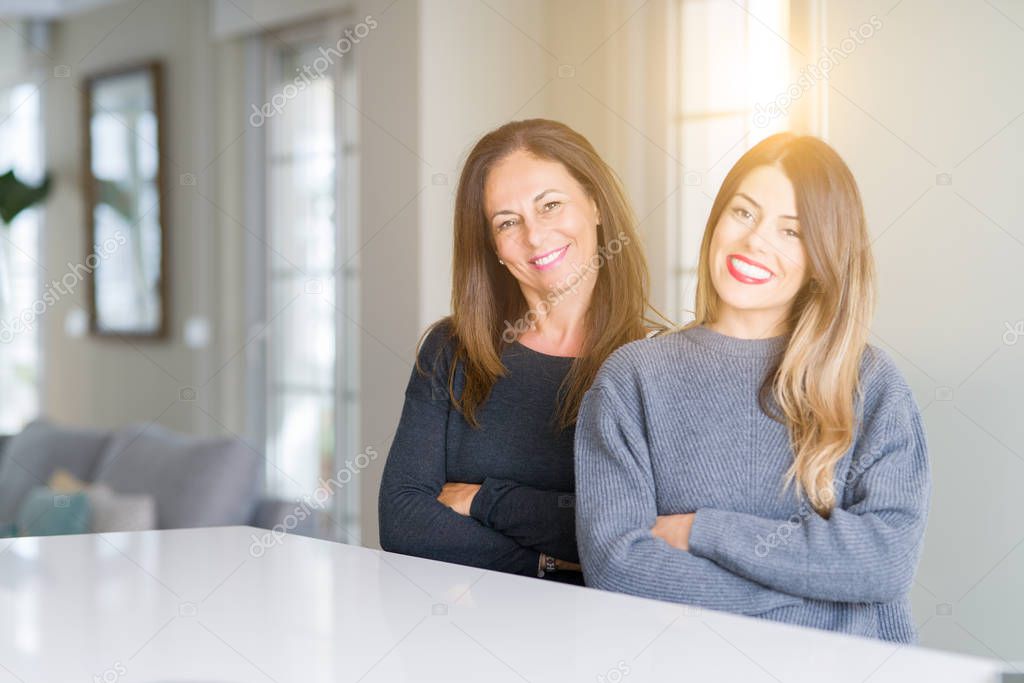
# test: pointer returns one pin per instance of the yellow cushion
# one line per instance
(62, 481)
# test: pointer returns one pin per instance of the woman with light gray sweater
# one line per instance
(765, 459)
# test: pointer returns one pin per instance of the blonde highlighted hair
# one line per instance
(814, 389)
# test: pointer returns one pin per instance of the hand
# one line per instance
(674, 529)
(458, 496)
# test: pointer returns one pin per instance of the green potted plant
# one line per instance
(15, 197)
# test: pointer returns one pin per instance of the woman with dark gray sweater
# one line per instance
(765, 459)
(548, 279)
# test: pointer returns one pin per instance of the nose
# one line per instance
(533, 231)
(756, 240)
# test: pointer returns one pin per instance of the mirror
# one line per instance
(125, 204)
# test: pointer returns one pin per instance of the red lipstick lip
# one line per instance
(746, 279)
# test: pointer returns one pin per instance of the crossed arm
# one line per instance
(497, 524)
(708, 557)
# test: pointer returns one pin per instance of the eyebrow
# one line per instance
(536, 199)
(751, 200)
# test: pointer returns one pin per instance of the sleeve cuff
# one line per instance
(709, 530)
(483, 502)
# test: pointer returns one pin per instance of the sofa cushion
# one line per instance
(120, 512)
(62, 481)
(195, 481)
(31, 457)
(110, 511)
(4, 438)
(47, 513)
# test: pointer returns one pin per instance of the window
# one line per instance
(733, 61)
(20, 303)
(310, 403)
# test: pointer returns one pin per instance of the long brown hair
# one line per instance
(486, 298)
(816, 383)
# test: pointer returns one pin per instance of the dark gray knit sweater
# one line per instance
(519, 456)
(672, 425)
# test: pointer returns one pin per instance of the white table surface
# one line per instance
(200, 605)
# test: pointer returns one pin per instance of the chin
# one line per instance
(743, 301)
(741, 305)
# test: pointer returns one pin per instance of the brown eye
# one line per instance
(743, 214)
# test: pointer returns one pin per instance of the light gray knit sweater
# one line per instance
(672, 425)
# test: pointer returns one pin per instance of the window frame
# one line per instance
(342, 518)
(36, 79)
(808, 115)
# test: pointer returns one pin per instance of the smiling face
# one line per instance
(757, 259)
(543, 222)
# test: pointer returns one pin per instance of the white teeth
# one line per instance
(749, 270)
(549, 258)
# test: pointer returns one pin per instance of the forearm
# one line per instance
(617, 508)
(847, 558)
(413, 522)
(535, 518)
(868, 548)
(637, 563)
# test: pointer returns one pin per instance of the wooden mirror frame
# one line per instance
(154, 71)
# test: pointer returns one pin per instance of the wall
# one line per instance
(612, 87)
(470, 83)
(391, 175)
(933, 93)
(108, 382)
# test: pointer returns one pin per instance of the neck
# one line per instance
(559, 321)
(750, 324)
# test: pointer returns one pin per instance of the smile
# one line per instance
(550, 259)
(747, 271)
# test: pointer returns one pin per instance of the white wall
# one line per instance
(104, 381)
(390, 176)
(599, 67)
(937, 90)
(612, 88)
(469, 83)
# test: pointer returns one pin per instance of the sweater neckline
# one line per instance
(541, 353)
(767, 347)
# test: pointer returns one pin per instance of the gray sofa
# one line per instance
(194, 481)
